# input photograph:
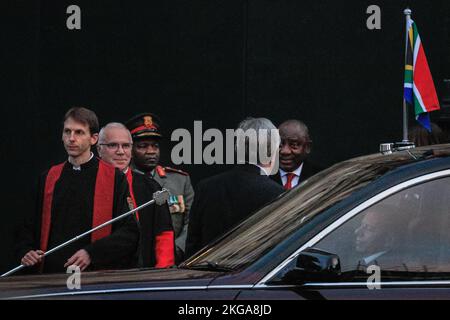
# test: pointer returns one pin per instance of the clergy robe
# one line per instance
(72, 214)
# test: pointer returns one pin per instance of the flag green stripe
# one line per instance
(418, 107)
(408, 76)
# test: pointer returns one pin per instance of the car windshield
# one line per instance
(276, 221)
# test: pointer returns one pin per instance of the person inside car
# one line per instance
(376, 241)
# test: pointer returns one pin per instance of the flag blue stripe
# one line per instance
(408, 93)
(424, 120)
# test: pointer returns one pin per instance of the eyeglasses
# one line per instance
(115, 146)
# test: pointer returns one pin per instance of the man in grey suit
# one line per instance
(146, 134)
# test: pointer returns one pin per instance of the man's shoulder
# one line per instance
(217, 178)
(106, 165)
(276, 178)
(173, 179)
(143, 179)
(55, 166)
(271, 186)
(164, 171)
(238, 176)
(54, 169)
(170, 173)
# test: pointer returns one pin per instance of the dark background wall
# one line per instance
(215, 61)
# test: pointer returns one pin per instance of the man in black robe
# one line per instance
(73, 197)
(156, 246)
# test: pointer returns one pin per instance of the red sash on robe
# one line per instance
(164, 242)
(103, 201)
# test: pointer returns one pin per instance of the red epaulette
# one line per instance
(160, 171)
(169, 169)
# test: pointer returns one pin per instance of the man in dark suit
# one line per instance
(294, 150)
(224, 200)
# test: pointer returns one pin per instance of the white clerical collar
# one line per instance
(297, 171)
(126, 170)
(78, 167)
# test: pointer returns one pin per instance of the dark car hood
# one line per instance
(55, 285)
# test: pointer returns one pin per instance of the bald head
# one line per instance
(295, 144)
(295, 126)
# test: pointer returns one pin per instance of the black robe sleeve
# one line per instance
(162, 213)
(118, 250)
(153, 219)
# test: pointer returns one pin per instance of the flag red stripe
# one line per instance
(424, 81)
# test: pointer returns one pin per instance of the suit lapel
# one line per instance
(277, 178)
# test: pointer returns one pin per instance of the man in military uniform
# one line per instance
(146, 134)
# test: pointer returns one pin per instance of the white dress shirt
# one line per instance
(295, 180)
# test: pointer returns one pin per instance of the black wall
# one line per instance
(215, 61)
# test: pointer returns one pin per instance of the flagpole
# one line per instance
(407, 13)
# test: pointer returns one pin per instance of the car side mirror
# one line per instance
(314, 265)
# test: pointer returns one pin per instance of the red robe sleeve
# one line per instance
(165, 250)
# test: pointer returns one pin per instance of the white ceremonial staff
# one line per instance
(159, 197)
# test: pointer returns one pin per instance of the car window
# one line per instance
(407, 235)
(276, 221)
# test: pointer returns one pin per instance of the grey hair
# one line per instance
(258, 137)
(117, 125)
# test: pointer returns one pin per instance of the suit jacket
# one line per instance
(224, 200)
(308, 170)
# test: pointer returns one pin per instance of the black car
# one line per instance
(373, 227)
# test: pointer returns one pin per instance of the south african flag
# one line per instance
(419, 90)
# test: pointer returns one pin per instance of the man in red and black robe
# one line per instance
(74, 197)
(156, 245)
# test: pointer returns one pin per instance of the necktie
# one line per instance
(290, 176)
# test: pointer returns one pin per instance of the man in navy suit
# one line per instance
(294, 150)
